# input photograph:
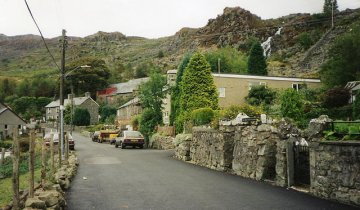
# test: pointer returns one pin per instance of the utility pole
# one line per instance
(332, 13)
(63, 45)
(219, 60)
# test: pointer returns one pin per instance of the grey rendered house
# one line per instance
(9, 120)
(86, 102)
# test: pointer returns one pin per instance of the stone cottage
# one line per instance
(8, 121)
(52, 109)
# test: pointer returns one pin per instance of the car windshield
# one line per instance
(135, 134)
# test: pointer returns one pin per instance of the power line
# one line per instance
(42, 37)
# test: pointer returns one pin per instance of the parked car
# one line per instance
(129, 138)
(95, 136)
(56, 139)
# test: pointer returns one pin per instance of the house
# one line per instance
(166, 105)
(127, 111)
(133, 107)
(353, 87)
(233, 88)
(86, 102)
(9, 120)
(116, 93)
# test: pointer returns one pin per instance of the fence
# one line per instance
(166, 130)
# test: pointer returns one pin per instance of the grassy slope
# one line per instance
(6, 187)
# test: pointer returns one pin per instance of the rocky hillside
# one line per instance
(25, 55)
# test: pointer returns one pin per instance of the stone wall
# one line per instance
(158, 141)
(255, 152)
(335, 171)
(212, 148)
(183, 144)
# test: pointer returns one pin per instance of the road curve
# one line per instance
(110, 178)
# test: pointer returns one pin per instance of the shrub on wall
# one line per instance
(202, 116)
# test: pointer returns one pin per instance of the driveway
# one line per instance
(110, 178)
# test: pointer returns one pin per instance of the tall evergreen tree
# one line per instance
(197, 86)
(175, 93)
(330, 5)
(257, 62)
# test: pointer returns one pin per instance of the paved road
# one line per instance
(152, 179)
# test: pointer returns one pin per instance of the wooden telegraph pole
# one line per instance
(31, 163)
(43, 163)
(15, 176)
(52, 159)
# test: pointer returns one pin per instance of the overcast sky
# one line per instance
(146, 18)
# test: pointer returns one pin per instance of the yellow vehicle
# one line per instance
(108, 136)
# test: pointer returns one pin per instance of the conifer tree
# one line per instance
(257, 62)
(197, 86)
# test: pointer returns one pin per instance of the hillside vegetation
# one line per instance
(294, 51)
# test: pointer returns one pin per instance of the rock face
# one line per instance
(335, 171)
(254, 152)
(212, 149)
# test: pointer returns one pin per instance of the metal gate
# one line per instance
(301, 165)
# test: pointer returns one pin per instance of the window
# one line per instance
(253, 84)
(19, 126)
(221, 92)
(298, 86)
(57, 110)
(49, 110)
(6, 127)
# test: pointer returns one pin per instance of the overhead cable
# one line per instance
(42, 37)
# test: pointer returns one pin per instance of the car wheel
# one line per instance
(141, 146)
(123, 146)
(116, 145)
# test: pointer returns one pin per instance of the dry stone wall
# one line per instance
(212, 148)
(255, 152)
(335, 171)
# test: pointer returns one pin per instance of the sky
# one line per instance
(145, 18)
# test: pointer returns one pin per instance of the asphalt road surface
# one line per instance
(113, 178)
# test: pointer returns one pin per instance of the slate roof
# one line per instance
(132, 101)
(77, 101)
(130, 86)
(4, 108)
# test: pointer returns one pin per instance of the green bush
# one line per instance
(260, 95)
(81, 117)
(292, 106)
(202, 116)
(135, 122)
(304, 39)
(5, 144)
(232, 111)
(336, 97)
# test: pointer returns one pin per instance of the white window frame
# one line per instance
(222, 92)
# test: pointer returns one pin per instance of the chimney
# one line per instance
(87, 94)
